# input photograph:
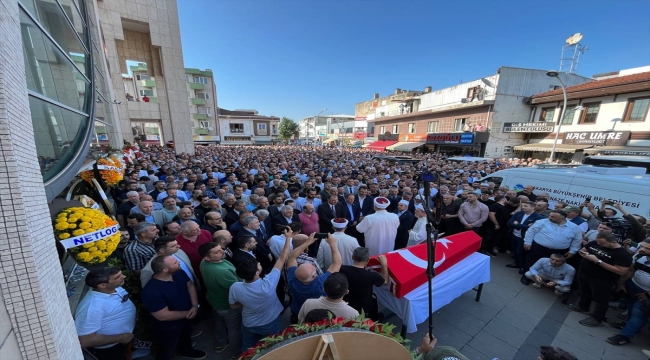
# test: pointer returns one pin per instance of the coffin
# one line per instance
(407, 267)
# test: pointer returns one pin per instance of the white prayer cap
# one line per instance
(381, 202)
(339, 223)
(404, 202)
(419, 207)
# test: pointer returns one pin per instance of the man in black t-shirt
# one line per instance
(603, 262)
(495, 227)
(361, 282)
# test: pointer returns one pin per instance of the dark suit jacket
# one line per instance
(406, 222)
(523, 227)
(231, 218)
(345, 211)
(325, 217)
(393, 203)
(368, 206)
(280, 220)
(239, 256)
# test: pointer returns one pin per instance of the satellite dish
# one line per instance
(574, 39)
(488, 82)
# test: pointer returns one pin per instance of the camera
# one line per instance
(426, 175)
(321, 236)
(620, 228)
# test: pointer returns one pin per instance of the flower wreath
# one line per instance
(89, 235)
(293, 331)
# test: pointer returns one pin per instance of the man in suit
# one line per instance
(245, 246)
(365, 201)
(284, 218)
(406, 220)
(278, 203)
(394, 199)
(233, 216)
(266, 223)
(327, 212)
(352, 212)
(518, 224)
(349, 187)
(238, 191)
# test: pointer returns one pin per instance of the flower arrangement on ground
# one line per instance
(89, 235)
(294, 331)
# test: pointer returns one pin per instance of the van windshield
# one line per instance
(616, 161)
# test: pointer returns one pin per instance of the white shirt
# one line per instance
(380, 230)
(105, 314)
(346, 245)
(517, 232)
(419, 232)
(276, 243)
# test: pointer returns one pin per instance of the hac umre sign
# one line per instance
(618, 138)
(528, 127)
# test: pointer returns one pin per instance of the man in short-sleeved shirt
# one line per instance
(302, 291)
(361, 283)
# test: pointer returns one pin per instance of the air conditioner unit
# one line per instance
(209, 115)
(211, 128)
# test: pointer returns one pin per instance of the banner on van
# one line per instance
(617, 138)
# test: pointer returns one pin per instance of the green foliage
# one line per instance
(287, 129)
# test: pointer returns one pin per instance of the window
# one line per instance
(202, 95)
(432, 127)
(261, 126)
(201, 80)
(547, 114)
(145, 92)
(204, 124)
(395, 129)
(236, 128)
(590, 113)
(412, 128)
(142, 77)
(569, 114)
(274, 129)
(459, 124)
(203, 110)
(192, 109)
(382, 129)
(636, 109)
(188, 78)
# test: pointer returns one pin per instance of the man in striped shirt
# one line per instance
(552, 272)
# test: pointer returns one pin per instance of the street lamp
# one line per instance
(315, 119)
(556, 75)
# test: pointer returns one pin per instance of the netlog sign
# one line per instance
(618, 138)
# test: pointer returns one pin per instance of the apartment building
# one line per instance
(202, 100)
(247, 127)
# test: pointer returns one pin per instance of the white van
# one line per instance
(573, 184)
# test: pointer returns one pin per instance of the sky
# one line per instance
(294, 58)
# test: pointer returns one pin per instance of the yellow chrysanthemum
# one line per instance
(78, 232)
(84, 225)
(72, 226)
(86, 218)
(61, 219)
(90, 230)
(61, 226)
(93, 249)
(64, 236)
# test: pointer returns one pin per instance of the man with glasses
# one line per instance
(213, 222)
(105, 317)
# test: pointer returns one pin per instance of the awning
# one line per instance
(329, 140)
(381, 144)
(563, 148)
(405, 146)
(620, 150)
(263, 142)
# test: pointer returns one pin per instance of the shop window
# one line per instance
(432, 127)
(236, 128)
(547, 114)
(636, 109)
(459, 124)
(590, 113)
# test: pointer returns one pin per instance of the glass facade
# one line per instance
(61, 81)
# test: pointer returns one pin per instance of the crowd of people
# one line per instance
(244, 234)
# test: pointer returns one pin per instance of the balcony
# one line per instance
(148, 83)
(200, 116)
(201, 131)
(197, 86)
(198, 102)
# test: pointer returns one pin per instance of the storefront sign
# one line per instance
(528, 127)
(389, 137)
(236, 138)
(152, 138)
(451, 138)
(205, 138)
(616, 138)
(626, 152)
(413, 138)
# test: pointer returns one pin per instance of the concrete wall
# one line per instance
(35, 319)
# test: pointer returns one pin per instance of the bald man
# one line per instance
(304, 281)
(223, 238)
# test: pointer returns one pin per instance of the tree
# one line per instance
(287, 129)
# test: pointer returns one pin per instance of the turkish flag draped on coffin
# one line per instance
(407, 267)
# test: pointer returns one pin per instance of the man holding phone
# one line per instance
(603, 262)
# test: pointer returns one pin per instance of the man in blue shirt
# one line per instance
(303, 280)
(172, 300)
(256, 296)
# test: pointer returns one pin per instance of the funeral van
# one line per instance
(573, 184)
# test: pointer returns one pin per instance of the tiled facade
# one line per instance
(35, 321)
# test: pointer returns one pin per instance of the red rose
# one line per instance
(338, 320)
(368, 322)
